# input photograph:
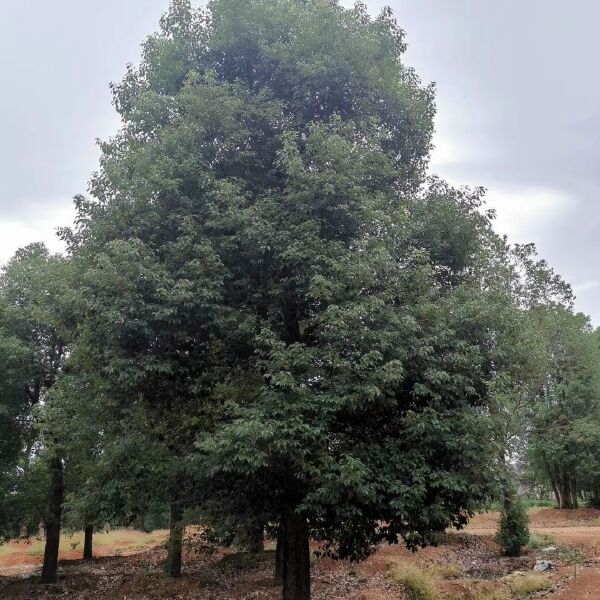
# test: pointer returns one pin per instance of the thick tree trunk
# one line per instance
(566, 488)
(57, 489)
(175, 544)
(88, 540)
(555, 491)
(279, 548)
(250, 538)
(256, 538)
(296, 565)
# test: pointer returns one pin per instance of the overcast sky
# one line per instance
(517, 94)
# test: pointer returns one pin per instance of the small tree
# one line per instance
(513, 529)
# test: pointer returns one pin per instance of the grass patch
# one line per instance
(537, 541)
(572, 556)
(497, 594)
(446, 571)
(417, 584)
(521, 587)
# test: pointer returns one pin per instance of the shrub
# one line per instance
(513, 529)
(417, 584)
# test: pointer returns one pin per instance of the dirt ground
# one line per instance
(475, 560)
(21, 557)
(576, 529)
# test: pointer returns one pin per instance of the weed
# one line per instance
(446, 571)
(496, 594)
(572, 556)
(538, 541)
(418, 585)
(528, 584)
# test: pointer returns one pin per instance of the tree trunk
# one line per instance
(175, 544)
(555, 491)
(567, 490)
(250, 537)
(256, 538)
(574, 498)
(296, 564)
(278, 578)
(88, 541)
(57, 488)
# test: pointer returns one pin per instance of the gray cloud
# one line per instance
(518, 111)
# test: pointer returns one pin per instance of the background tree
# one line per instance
(35, 310)
(564, 420)
(15, 410)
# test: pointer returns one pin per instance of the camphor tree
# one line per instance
(35, 315)
(277, 297)
(253, 248)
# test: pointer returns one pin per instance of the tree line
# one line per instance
(271, 319)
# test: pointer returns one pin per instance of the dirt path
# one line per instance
(579, 529)
(586, 538)
(585, 587)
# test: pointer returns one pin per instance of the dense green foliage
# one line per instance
(272, 317)
(564, 422)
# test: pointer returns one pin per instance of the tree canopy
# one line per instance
(271, 314)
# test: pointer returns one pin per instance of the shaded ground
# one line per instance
(25, 556)
(466, 565)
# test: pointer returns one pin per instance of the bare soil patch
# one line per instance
(464, 563)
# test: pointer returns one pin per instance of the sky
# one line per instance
(518, 112)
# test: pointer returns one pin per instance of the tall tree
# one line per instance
(35, 310)
(267, 272)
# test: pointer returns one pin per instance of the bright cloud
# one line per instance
(522, 212)
(16, 232)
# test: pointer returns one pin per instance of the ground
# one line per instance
(467, 566)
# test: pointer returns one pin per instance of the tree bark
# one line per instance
(57, 489)
(279, 554)
(567, 491)
(256, 538)
(175, 544)
(574, 498)
(250, 537)
(296, 564)
(555, 491)
(88, 541)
